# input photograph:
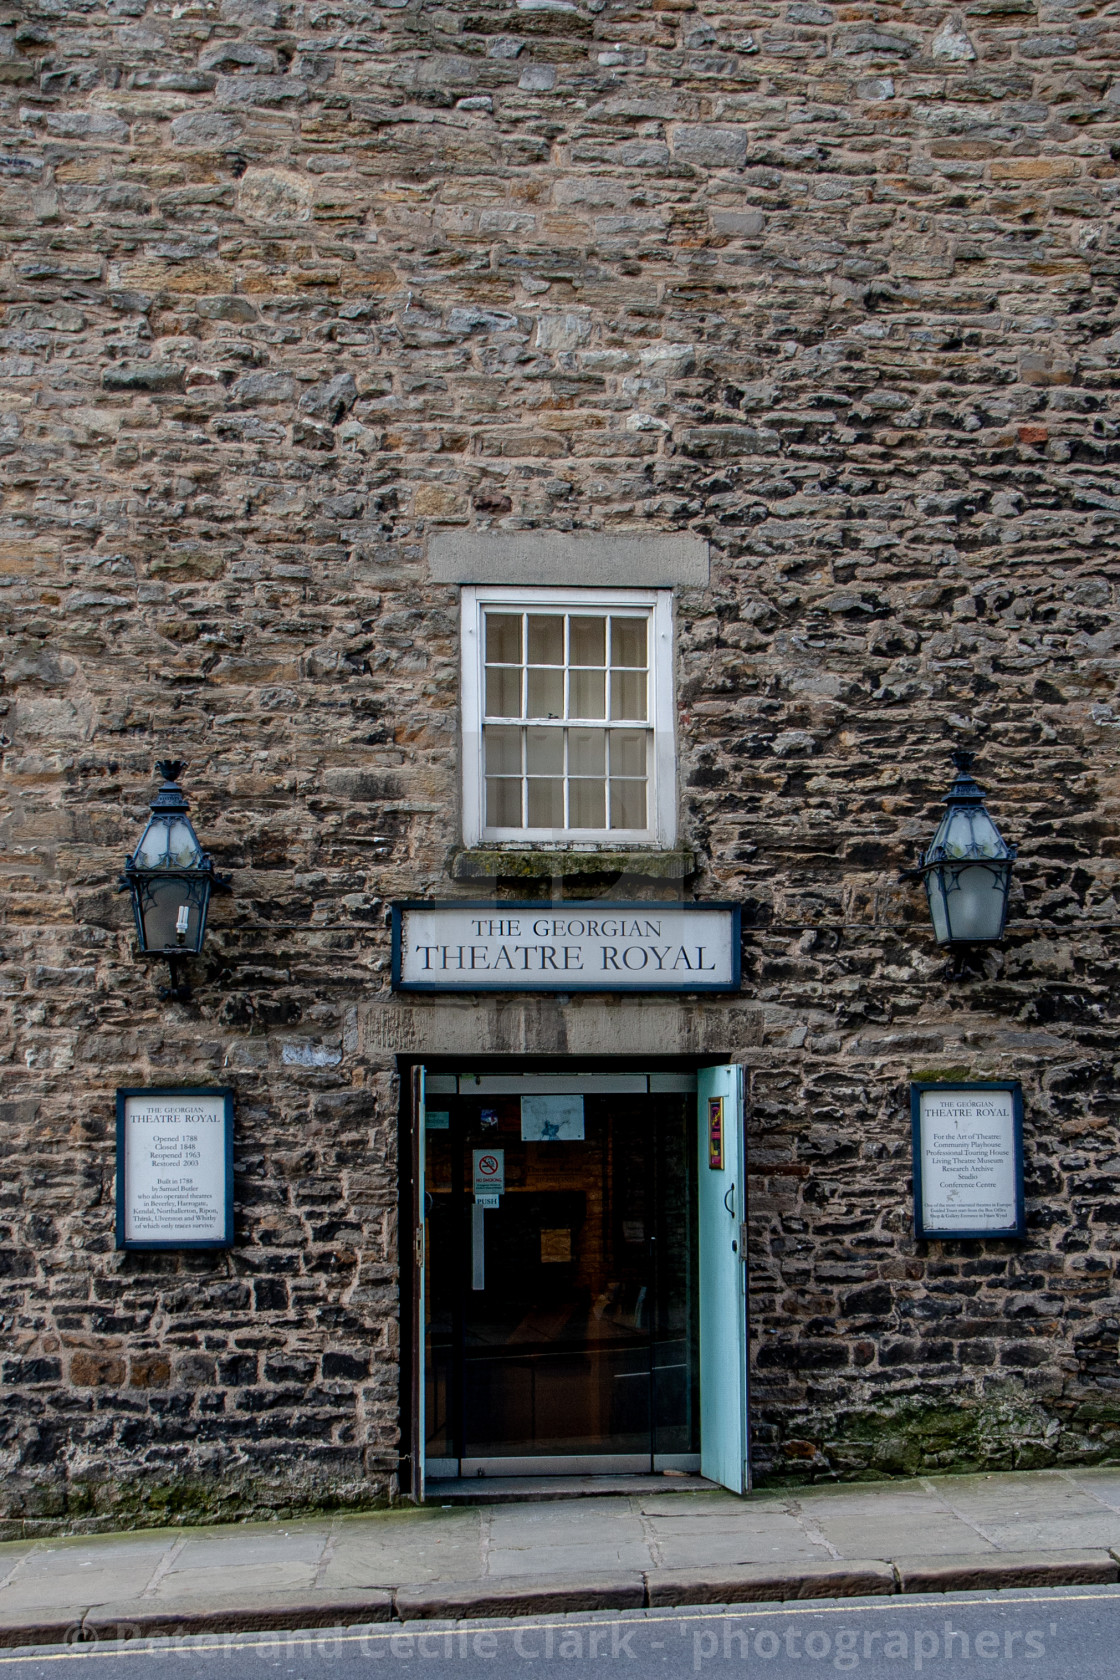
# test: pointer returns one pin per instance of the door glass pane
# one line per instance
(441, 1261)
(546, 639)
(676, 1293)
(503, 638)
(582, 1337)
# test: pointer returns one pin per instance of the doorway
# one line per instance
(560, 1292)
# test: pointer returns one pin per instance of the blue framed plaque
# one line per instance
(968, 1159)
(497, 945)
(175, 1167)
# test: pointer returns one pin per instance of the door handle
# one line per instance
(728, 1204)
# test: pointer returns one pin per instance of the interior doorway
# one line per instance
(560, 1298)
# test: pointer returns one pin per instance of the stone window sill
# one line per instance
(486, 863)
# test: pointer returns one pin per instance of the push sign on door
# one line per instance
(489, 1176)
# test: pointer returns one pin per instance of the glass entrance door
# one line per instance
(562, 1292)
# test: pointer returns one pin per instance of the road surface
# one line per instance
(1066, 1633)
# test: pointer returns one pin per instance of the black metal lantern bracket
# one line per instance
(966, 912)
(171, 880)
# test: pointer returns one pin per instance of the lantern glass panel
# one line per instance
(968, 831)
(169, 841)
(968, 903)
(935, 892)
(160, 900)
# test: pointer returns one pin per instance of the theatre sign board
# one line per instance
(175, 1167)
(968, 1159)
(498, 946)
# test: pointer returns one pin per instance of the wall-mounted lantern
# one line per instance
(967, 867)
(171, 880)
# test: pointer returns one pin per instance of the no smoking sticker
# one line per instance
(489, 1172)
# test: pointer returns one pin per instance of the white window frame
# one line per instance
(661, 807)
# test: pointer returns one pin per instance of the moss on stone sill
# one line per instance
(489, 863)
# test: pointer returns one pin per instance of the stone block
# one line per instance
(523, 1596)
(548, 557)
(89, 1369)
(969, 1573)
(709, 145)
(754, 1583)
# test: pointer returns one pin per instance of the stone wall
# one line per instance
(285, 287)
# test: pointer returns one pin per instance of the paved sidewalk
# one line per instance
(637, 1548)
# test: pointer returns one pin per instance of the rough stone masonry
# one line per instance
(286, 286)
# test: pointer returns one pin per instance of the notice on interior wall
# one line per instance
(174, 1169)
(556, 1247)
(968, 1160)
(552, 1119)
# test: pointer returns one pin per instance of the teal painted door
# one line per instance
(723, 1274)
(419, 1297)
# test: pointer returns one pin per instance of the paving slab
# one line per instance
(880, 1521)
(63, 1572)
(601, 1536)
(606, 1560)
(1103, 1486)
(256, 1543)
(773, 1534)
(1041, 1511)
(418, 1548)
(716, 1502)
(221, 1579)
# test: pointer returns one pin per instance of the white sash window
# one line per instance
(568, 716)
